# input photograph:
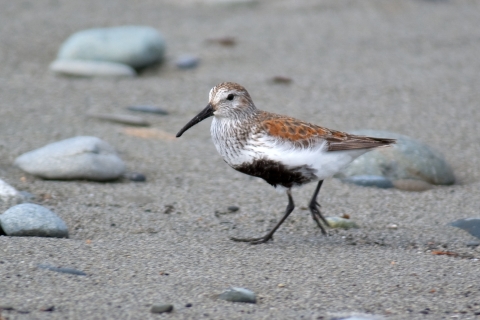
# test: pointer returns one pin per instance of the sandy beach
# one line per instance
(406, 66)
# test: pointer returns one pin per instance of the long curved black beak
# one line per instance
(204, 114)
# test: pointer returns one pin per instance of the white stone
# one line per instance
(84, 68)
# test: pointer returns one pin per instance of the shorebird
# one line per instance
(283, 151)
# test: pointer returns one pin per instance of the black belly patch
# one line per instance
(276, 173)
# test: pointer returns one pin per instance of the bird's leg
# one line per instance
(269, 236)
(313, 206)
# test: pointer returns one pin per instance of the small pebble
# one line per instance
(161, 308)
(62, 270)
(188, 305)
(187, 62)
(7, 307)
(392, 226)
(121, 118)
(48, 309)
(281, 80)
(281, 285)
(224, 41)
(238, 295)
(473, 244)
(233, 208)
(341, 223)
(135, 176)
(148, 109)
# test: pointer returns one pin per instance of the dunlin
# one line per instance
(283, 151)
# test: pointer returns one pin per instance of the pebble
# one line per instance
(81, 157)
(9, 196)
(32, 220)
(369, 181)
(471, 225)
(135, 46)
(392, 226)
(407, 159)
(83, 68)
(121, 118)
(148, 109)
(233, 208)
(187, 62)
(62, 270)
(135, 176)
(161, 308)
(472, 244)
(235, 294)
(341, 223)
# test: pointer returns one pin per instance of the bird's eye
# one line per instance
(230, 97)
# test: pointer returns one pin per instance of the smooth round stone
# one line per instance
(187, 62)
(161, 308)
(83, 68)
(80, 157)
(370, 181)
(471, 225)
(136, 46)
(32, 220)
(238, 295)
(407, 159)
(9, 195)
(340, 223)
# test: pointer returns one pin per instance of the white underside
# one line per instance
(324, 163)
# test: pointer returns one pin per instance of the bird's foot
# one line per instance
(317, 216)
(263, 239)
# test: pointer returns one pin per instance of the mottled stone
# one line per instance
(340, 223)
(32, 220)
(235, 294)
(407, 159)
(80, 157)
(412, 185)
(83, 68)
(136, 46)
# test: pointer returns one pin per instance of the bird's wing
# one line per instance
(306, 134)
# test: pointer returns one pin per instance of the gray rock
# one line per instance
(161, 308)
(81, 157)
(62, 270)
(471, 225)
(32, 220)
(187, 62)
(135, 176)
(121, 118)
(238, 295)
(370, 181)
(136, 46)
(9, 196)
(83, 68)
(407, 159)
(148, 109)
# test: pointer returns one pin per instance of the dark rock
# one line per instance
(148, 109)
(161, 308)
(233, 208)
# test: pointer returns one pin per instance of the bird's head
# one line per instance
(226, 100)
